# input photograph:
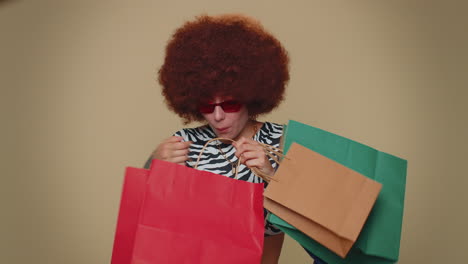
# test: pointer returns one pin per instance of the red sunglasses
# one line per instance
(229, 106)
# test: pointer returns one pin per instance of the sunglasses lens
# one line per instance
(227, 106)
(206, 108)
(231, 106)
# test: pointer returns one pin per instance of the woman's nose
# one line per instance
(219, 113)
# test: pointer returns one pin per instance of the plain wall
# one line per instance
(80, 101)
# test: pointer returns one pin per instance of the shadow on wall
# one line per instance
(3, 2)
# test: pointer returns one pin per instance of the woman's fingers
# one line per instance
(252, 154)
(181, 145)
(179, 153)
(254, 163)
(173, 149)
(179, 159)
(255, 154)
(173, 139)
(259, 160)
(246, 145)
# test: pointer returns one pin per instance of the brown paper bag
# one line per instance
(322, 198)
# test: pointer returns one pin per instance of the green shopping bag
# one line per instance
(379, 241)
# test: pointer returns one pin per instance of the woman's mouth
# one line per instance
(222, 129)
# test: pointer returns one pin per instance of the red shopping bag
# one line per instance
(130, 204)
(192, 216)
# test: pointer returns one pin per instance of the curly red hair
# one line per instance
(227, 55)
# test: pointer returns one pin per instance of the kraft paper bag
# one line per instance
(324, 199)
(379, 240)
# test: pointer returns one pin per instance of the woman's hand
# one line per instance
(252, 154)
(173, 149)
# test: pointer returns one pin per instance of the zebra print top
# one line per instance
(220, 157)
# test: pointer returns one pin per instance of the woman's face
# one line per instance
(227, 123)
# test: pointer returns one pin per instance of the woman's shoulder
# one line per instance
(270, 133)
(271, 127)
(201, 133)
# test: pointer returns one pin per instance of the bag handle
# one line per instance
(268, 151)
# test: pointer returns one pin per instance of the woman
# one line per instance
(225, 71)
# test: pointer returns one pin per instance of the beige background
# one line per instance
(79, 102)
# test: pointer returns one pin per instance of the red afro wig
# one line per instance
(227, 55)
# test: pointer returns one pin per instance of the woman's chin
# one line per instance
(227, 135)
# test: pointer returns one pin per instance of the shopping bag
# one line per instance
(355, 255)
(329, 202)
(379, 240)
(193, 216)
(130, 204)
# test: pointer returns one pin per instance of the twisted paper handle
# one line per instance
(268, 151)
